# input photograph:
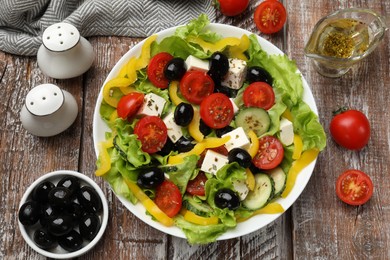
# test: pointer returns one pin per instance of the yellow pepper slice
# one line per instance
(212, 142)
(218, 46)
(113, 116)
(144, 58)
(298, 147)
(238, 51)
(172, 91)
(149, 204)
(193, 127)
(193, 218)
(271, 208)
(129, 70)
(250, 179)
(254, 143)
(105, 159)
(306, 158)
(114, 83)
(287, 114)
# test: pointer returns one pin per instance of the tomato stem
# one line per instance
(340, 110)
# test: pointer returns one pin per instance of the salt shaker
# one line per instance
(48, 110)
(64, 53)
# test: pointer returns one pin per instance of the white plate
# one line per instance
(250, 225)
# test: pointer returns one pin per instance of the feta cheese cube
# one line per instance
(213, 161)
(174, 130)
(241, 188)
(194, 63)
(236, 74)
(235, 107)
(153, 105)
(238, 139)
(286, 131)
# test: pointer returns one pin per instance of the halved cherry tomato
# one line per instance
(354, 187)
(232, 7)
(270, 153)
(168, 198)
(216, 111)
(196, 186)
(152, 132)
(259, 94)
(196, 85)
(155, 70)
(350, 129)
(270, 16)
(129, 104)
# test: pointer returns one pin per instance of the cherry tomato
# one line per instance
(354, 187)
(155, 70)
(259, 94)
(168, 198)
(270, 16)
(196, 85)
(216, 111)
(270, 153)
(152, 132)
(350, 129)
(129, 104)
(196, 186)
(232, 7)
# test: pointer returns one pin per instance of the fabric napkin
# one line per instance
(22, 22)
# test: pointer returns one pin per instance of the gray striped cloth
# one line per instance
(22, 22)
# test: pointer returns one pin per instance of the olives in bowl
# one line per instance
(63, 214)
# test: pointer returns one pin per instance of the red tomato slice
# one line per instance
(232, 7)
(129, 104)
(196, 85)
(270, 153)
(270, 16)
(155, 70)
(354, 187)
(259, 94)
(216, 111)
(168, 198)
(152, 132)
(196, 186)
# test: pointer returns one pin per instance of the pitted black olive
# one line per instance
(175, 69)
(150, 178)
(29, 213)
(60, 225)
(41, 191)
(89, 226)
(183, 114)
(44, 240)
(226, 198)
(241, 156)
(219, 65)
(184, 144)
(89, 199)
(256, 73)
(60, 197)
(71, 241)
(222, 131)
(70, 182)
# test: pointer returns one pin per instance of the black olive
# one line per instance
(257, 73)
(60, 225)
(229, 92)
(220, 132)
(89, 199)
(44, 240)
(168, 147)
(219, 65)
(76, 211)
(70, 182)
(150, 178)
(47, 212)
(71, 242)
(226, 198)
(175, 69)
(29, 213)
(241, 156)
(184, 113)
(184, 144)
(60, 197)
(89, 226)
(41, 191)
(203, 128)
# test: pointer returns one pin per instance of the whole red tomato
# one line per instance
(232, 7)
(350, 129)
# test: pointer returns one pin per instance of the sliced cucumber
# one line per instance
(261, 194)
(253, 118)
(279, 177)
(200, 209)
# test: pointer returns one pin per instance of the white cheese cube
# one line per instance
(174, 130)
(153, 105)
(194, 63)
(241, 188)
(286, 131)
(213, 161)
(236, 74)
(238, 139)
(235, 107)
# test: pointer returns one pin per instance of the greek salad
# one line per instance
(206, 131)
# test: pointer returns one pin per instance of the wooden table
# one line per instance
(317, 226)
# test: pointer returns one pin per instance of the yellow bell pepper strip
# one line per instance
(172, 91)
(287, 114)
(298, 147)
(149, 204)
(254, 143)
(144, 58)
(113, 116)
(250, 179)
(129, 70)
(115, 83)
(193, 218)
(306, 158)
(105, 159)
(238, 51)
(213, 142)
(217, 46)
(193, 127)
(271, 208)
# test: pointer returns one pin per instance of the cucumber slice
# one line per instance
(255, 119)
(279, 177)
(261, 194)
(200, 209)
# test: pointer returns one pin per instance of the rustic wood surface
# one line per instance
(317, 226)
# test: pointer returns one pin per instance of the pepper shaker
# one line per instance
(64, 53)
(48, 110)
